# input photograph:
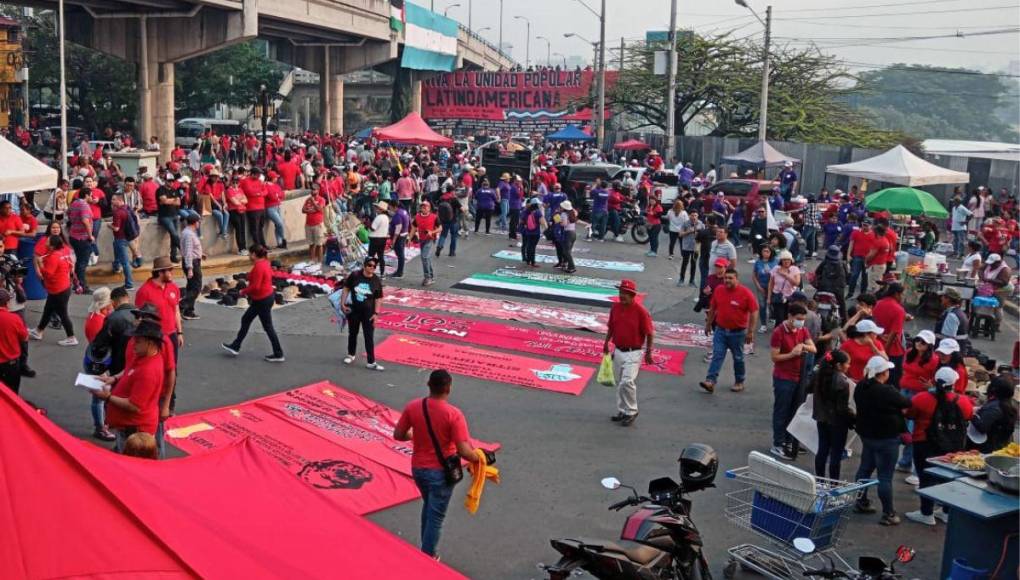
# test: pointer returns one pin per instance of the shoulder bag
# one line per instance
(452, 468)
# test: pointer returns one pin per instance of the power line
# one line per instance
(925, 13)
(911, 48)
(841, 39)
(817, 23)
(896, 5)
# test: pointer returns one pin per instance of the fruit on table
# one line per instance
(1011, 450)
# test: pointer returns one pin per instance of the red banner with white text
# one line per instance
(516, 338)
(485, 364)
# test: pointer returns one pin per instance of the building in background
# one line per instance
(12, 71)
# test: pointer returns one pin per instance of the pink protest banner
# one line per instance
(666, 333)
(515, 338)
(485, 364)
(331, 438)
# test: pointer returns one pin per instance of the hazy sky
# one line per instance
(860, 31)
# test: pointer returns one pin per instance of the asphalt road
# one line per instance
(556, 447)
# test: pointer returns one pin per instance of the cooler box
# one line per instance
(33, 285)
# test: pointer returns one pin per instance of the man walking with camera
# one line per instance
(439, 434)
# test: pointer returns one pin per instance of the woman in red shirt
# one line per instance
(236, 205)
(55, 272)
(653, 215)
(950, 356)
(922, 409)
(274, 197)
(261, 298)
(862, 346)
(920, 364)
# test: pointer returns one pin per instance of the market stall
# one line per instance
(898, 165)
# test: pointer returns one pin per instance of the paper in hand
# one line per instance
(90, 382)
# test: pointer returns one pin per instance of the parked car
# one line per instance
(664, 180)
(749, 190)
(576, 177)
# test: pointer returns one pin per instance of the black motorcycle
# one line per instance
(868, 567)
(669, 543)
(631, 218)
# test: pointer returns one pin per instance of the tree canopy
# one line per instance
(934, 102)
(229, 76)
(719, 84)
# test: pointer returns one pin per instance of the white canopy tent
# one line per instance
(898, 165)
(19, 171)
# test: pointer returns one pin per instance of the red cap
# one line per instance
(627, 285)
(722, 262)
(272, 174)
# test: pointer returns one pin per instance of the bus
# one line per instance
(190, 130)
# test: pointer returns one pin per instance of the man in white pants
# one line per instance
(630, 330)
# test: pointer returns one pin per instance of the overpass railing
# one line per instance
(479, 38)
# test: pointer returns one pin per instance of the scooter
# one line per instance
(670, 545)
(868, 567)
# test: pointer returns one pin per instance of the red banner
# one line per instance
(485, 364)
(516, 338)
(334, 440)
(535, 101)
(666, 333)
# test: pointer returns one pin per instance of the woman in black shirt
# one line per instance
(361, 300)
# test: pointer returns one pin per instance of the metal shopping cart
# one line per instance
(781, 513)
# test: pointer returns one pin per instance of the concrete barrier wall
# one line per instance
(155, 241)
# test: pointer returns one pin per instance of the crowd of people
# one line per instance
(847, 347)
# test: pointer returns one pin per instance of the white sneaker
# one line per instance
(763, 329)
(348, 359)
(34, 334)
(751, 261)
(942, 516)
(374, 367)
(93, 259)
(913, 480)
(920, 518)
(69, 341)
(619, 238)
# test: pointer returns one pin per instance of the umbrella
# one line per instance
(905, 201)
(632, 145)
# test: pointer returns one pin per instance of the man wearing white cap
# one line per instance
(566, 218)
(940, 426)
(378, 234)
(788, 181)
(881, 424)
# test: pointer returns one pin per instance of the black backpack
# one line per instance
(948, 429)
(445, 212)
(132, 229)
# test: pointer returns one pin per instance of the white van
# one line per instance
(190, 129)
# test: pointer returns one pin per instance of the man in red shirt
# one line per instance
(631, 331)
(890, 315)
(425, 227)
(132, 404)
(11, 228)
(614, 204)
(161, 291)
(733, 313)
(13, 337)
(436, 428)
(315, 231)
(147, 191)
(861, 241)
(878, 258)
(290, 171)
(790, 340)
(254, 189)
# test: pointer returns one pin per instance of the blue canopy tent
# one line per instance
(364, 133)
(569, 133)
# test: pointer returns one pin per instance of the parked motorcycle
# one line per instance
(669, 543)
(868, 567)
(631, 218)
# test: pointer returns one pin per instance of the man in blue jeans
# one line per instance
(121, 245)
(790, 342)
(732, 316)
(438, 432)
(599, 210)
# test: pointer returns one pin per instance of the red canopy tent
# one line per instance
(411, 130)
(632, 145)
(71, 509)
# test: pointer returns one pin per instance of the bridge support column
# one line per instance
(325, 90)
(155, 91)
(415, 104)
(336, 103)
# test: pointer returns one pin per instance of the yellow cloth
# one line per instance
(480, 471)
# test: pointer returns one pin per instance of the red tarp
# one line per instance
(71, 509)
(632, 145)
(411, 130)
(485, 364)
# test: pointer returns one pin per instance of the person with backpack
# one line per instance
(448, 211)
(125, 230)
(532, 227)
(566, 224)
(831, 276)
(940, 426)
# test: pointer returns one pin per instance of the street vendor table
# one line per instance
(980, 520)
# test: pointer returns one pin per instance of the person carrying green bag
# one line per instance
(605, 376)
(630, 330)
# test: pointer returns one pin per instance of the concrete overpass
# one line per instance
(330, 37)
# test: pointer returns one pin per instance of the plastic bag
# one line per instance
(605, 376)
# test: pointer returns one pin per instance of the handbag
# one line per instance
(453, 471)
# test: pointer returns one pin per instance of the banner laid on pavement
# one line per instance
(333, 439)
(515, 338)
(582, 262)
(485, 364)
(666, 333)
(547, 289)
(559, 278)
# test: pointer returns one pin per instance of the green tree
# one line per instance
(934, 102)
(719, 83)
(229, 76)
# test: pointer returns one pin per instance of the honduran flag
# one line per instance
(430, 40)
(397, 15)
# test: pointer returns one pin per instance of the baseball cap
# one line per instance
(947, 376)
(993, 258)
(876, 365)
(722, 262)
(927, 336)
(868, 326)
(948, 346)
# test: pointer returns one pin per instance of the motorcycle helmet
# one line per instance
(698, 466)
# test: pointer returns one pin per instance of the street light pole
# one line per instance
(548, 50)
(763, 115)
(527, 46)
(671, 87)
(600, 136)
(63, 94)
(500, 47)
(564, 57)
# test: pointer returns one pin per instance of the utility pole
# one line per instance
(500, 47)
(601, 129)
(621, 53)
(63, 93)
(671, 87)
(763, 121)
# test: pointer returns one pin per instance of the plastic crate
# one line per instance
(785, 522)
